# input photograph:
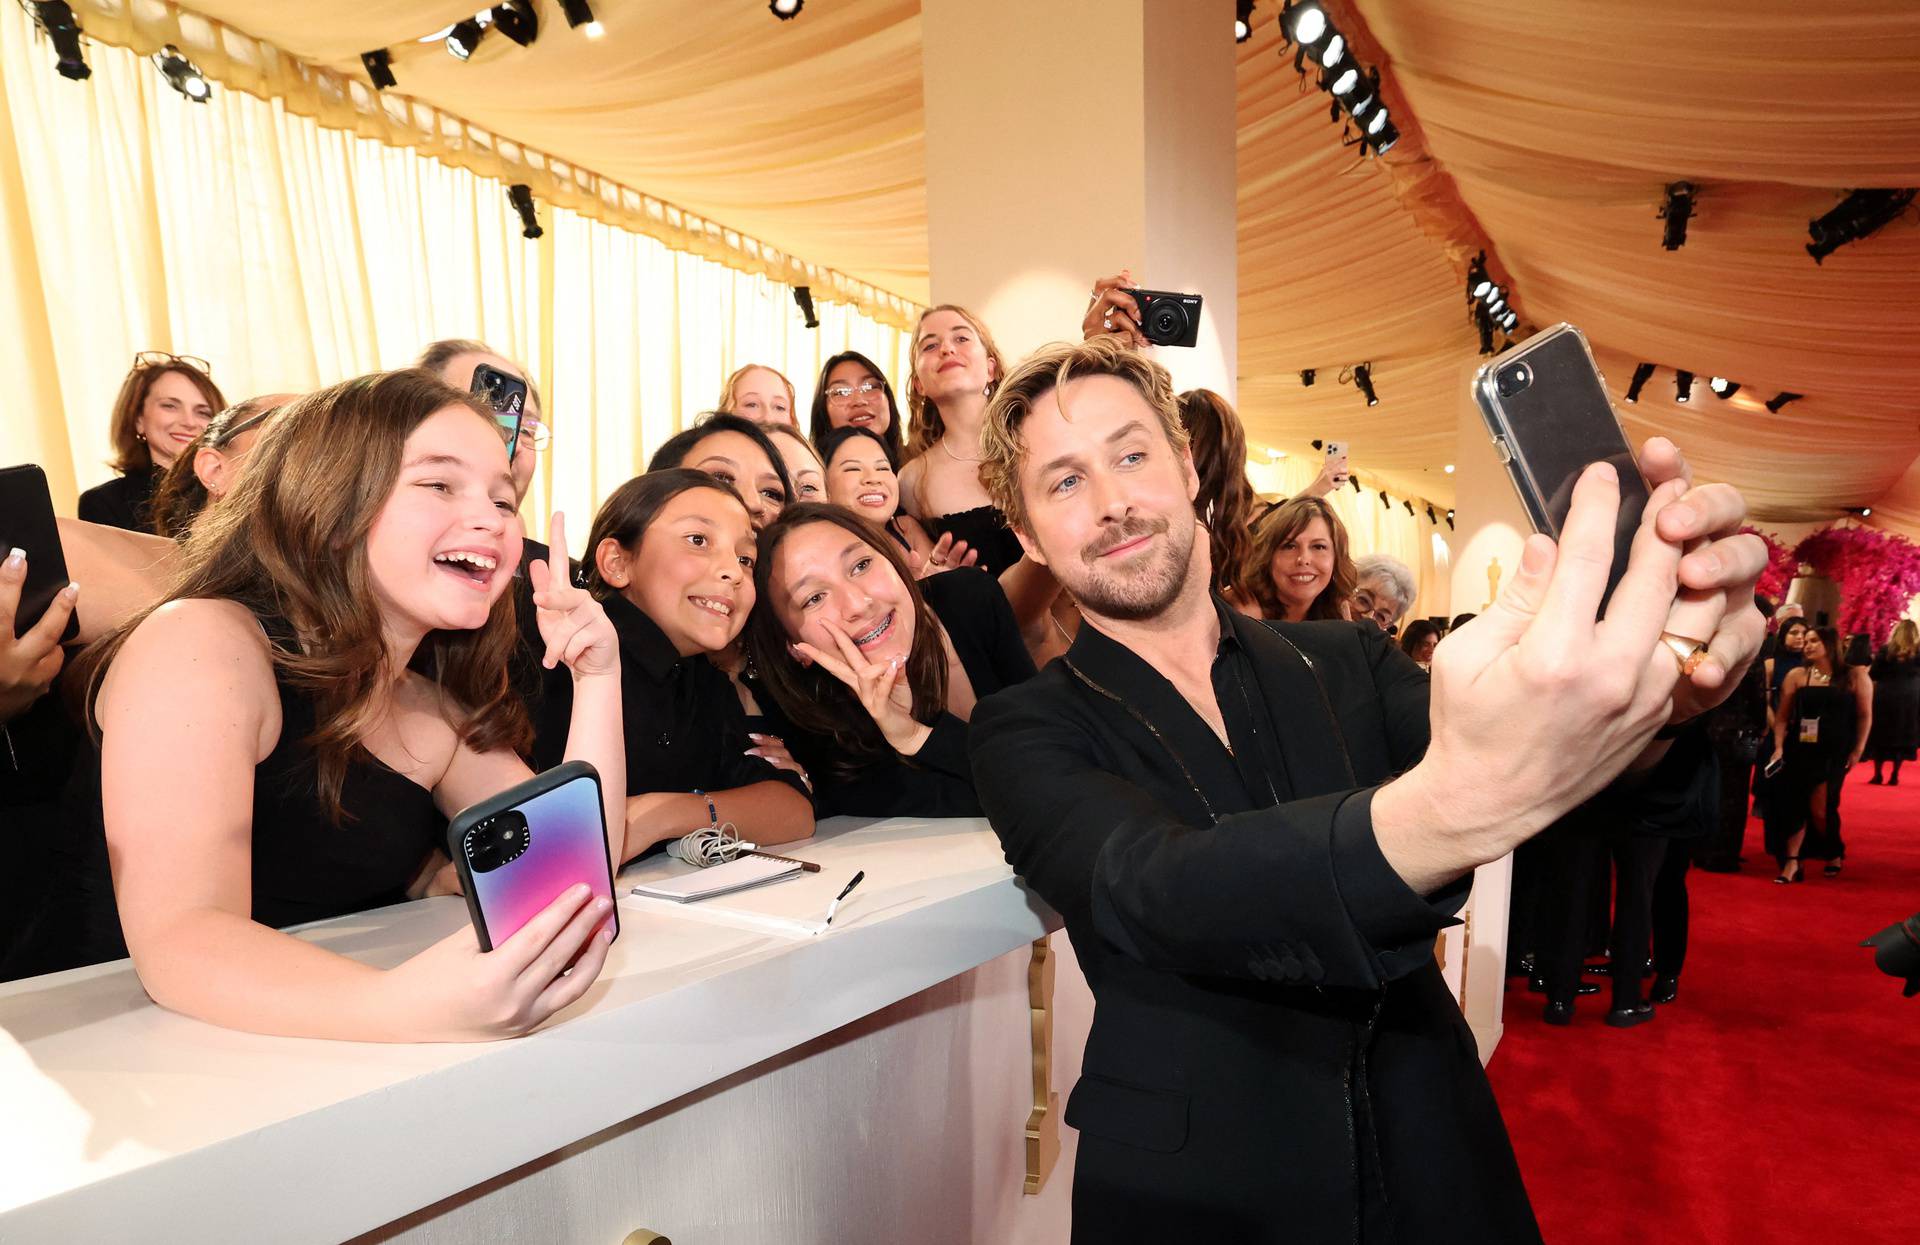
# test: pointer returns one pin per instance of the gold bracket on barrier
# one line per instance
(1043, 1124)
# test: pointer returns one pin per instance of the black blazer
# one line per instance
(1274, 1055)
(938, 780)
(124, 501)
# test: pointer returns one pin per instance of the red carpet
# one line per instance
(1777, 1100)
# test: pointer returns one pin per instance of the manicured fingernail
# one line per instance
(1604, 470)
(602, 904)
(581, 890)
(16, 558)
(72, 590)
(606, 935)
(1533, 557)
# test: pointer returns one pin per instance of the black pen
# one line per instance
(845, 891)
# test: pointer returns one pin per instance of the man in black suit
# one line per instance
(1206, 801)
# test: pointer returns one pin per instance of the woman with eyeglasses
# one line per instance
(210, 467)
(163, 404)
(854, 393)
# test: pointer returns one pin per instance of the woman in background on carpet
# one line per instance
(1826, 709)
(1896, 702)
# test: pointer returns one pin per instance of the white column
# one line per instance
(1068, 139)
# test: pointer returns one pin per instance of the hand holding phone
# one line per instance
(519, 851)
(1772, 767)
(29, 662)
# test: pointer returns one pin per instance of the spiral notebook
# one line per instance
(736, 875)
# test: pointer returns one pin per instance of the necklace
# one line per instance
(955, 457)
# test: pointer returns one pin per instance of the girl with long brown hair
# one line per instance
(284, 736)
(1297, 567)
(163, 404)
(876, 673)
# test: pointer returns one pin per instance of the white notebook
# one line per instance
(735, 875)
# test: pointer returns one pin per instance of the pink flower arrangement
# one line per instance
(1782, 566)
(1878, 574)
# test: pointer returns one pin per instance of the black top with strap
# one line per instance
(305, 868)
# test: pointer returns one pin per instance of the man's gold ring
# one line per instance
(1687, 651)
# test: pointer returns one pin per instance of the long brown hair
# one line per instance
(290, 542)
(1281, 524)
(1225, 500)
(814, 700)
(928, 427)
(130, 453)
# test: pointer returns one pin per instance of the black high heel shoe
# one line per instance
(1833, 869)
(1782, 879)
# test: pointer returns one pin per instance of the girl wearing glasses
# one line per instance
(853, 393)
(163, 404)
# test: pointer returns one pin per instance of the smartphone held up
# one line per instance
(1545, 406)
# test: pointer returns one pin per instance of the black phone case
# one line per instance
(26, 522)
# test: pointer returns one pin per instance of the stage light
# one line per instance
(1348, 79)
(1865, 511)
(1306, 381)
(379, 63)
(1331, 54)
(1242, 20)
(520, 195)
(1308, 23)
(1642, 373)
(1780, 399)
(1510, 319)
(579, 15)
(1386, 503)
(1377, 124)
(1432, 517)
(1383, 141)
(181, 75)
(1853, 218)
(1723, 387)
(803, 295)
(1482, 288)
(1678, 210)
(463, 37)
(62, 28)
(517, 21)
(1408, 505)
(1449, 520)
(1448, 469)
(1363, 380)
(786, 10)
(1355, 481)
(1683, 386)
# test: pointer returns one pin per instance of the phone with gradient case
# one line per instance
(521, 850)
(1546, 407)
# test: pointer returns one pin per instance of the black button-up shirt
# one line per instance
(683, 724)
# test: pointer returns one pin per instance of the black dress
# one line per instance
(985, 529)
(125, 502)
(938, 780)
(1895, 733)
(1829, 713)
(305, 868)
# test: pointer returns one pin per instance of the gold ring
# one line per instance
(1687, 651)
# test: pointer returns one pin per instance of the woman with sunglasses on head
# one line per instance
(759, 393)
(860, 477)
(956, 368)
(1826, 713)
(670, 558)
(210, 467)
(876, 673)
(162, 406)
(370, 540)
(854, 393)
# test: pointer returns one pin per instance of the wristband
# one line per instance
(713, 814)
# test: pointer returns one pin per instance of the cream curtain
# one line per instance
(292, 255)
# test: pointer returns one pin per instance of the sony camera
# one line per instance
(1168, 319)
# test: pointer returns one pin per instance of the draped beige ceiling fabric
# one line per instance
(805, 134)
(1560, 123)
